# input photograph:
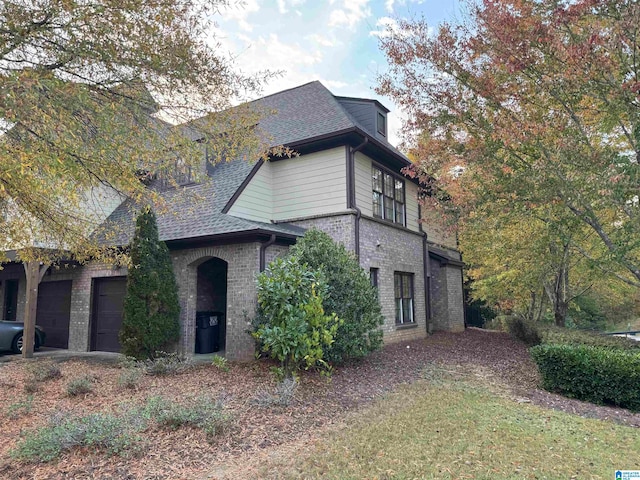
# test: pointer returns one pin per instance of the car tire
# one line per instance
(16, 345)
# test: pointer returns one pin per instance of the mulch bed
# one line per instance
(185, 453)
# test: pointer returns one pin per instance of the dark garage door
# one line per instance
(108, 300)
(53, 310)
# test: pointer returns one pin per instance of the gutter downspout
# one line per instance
(427, 281)
(263, 251)
(352, 191)
(426, 272)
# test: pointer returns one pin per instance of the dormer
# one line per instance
(371, 114)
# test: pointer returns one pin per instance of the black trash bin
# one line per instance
(208, 331)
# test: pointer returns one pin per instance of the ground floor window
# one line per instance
(373, 276)
(403, 283)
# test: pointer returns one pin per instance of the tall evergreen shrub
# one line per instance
(151, 307)
(349, 294)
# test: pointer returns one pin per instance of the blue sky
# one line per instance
(334, 41)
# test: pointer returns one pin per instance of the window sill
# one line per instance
(405, 326)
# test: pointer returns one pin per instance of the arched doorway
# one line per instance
(211, 306)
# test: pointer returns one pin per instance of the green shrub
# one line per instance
(524, 330)
(20, 407)
(118, 433)
(595, 374)
(204, 412)
(165, 364)
(349, 295)
(151, 307)
(291, 325)
(585, 313)
(115, 434)
(563, 336)
(41, 371)
(129, 378)
(79, 386)
(220, 363)
(282, 396)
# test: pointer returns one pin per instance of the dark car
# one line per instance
(11, 336)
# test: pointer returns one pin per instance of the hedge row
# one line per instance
(533, 333)
(595, 374)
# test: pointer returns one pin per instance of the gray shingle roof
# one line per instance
(301, 113)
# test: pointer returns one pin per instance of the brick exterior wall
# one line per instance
(81, 295)
(400, 250)
(339, 227)
(447, 304)
(242, 267)
(392, 249)
(382, 246)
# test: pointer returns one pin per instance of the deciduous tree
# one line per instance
(85, 88)
(530, 105)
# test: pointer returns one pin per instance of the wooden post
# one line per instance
(32, 271)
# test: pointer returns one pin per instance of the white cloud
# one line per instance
(388, 5)
(334, 84)
(322, 40)
(240, 13)
(350, 13)
(283, 5)
(385, 27)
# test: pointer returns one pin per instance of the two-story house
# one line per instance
(346, 181)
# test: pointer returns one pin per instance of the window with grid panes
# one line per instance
(403, 287)
(388, 196)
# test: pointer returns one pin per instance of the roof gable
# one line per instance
(299, 114)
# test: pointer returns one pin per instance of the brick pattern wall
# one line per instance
(399, 250)
(447, 304)
(339, 227)
(242, 267)
(275, 251)
(394, 250)
(81, 295)
(456, 299)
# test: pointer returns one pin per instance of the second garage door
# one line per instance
(53, 310)
(108, 302)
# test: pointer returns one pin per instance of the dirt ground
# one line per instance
(255, 431)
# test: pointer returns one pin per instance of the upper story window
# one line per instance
(388, 196)
(381, 124)
(177, 174)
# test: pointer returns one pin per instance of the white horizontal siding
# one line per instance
(255, 201)
(411, 193)
(364, 187)
(312, 184)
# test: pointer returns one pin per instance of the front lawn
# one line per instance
(383, 416)
(459, 429)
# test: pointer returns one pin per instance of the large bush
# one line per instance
(291, 326)
(555, 335)
(525, 330)
(151, 307)
(595, 374)
(350, 295)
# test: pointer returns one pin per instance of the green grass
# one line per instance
(452, 429)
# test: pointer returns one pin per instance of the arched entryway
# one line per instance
(211, 306)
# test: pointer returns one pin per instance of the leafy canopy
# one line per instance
(529, 107)
(91, 93)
